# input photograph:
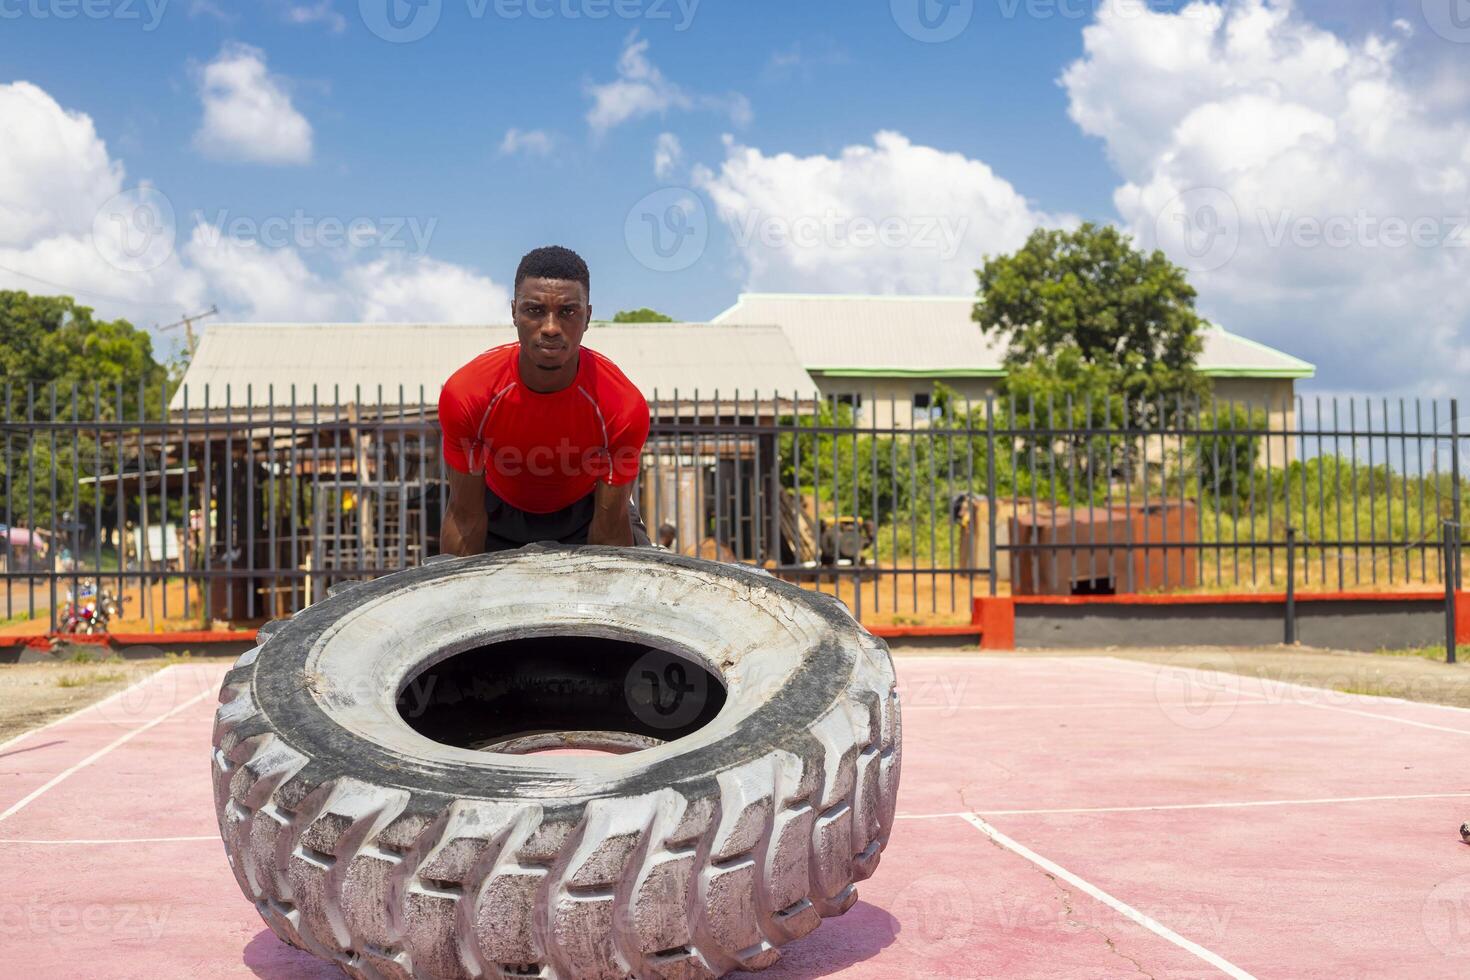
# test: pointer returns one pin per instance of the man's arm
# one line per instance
(465, 522)
(612, 522)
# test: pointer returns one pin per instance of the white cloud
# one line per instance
(59, 195)
(54, 170)
(397, 289)
(893, 217)
(248, 115)
(668, 154)
(642, 90)
(321, 12)
(1329, 155)
(55, 177)
(535, 142)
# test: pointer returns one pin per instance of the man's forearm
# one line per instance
(612, 517)
(461, 537)
(614, 529)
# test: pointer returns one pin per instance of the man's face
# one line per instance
(551, 315)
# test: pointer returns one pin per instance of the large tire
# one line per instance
(365, 842)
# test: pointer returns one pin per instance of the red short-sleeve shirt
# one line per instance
(543, 452)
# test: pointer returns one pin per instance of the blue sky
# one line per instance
(774, 107)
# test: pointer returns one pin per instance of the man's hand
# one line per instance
(465, 522)
(612, 523)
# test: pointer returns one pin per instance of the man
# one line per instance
(543, 436)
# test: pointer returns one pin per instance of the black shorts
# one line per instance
(510, 527)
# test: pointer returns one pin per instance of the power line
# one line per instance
(86, 292)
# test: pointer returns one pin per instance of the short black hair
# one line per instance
(553, 262)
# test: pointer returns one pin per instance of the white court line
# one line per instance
(1313, 702)
(1236, 805)
(85, 708)
(1127, 911)
(129, 840)
(120, 740)
(907, 708)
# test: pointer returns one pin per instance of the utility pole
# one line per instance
(187, 322)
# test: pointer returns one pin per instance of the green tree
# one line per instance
(57, 363)
(47, 339)
(644, 315)
(1089, 292)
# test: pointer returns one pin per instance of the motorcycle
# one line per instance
(88, 611)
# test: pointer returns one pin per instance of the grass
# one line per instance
(87, 680)
(1436, 653)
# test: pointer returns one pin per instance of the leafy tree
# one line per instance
(1130, 316)
(59, 362)
(643, 315)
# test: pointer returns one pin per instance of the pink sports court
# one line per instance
(1059, 817)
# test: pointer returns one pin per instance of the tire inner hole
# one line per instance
(562, 694)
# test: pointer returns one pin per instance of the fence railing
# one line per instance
(245, 505)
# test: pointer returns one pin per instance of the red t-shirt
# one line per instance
(542, 452)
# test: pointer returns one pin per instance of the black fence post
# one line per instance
(1291, 586)
(1451, 563)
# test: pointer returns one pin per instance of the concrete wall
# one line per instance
(1273, 396)
(889, 401)
(1349, 624)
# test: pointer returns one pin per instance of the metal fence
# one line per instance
(249, 504)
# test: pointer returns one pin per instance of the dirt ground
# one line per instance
(33, 694)
(1403, 675)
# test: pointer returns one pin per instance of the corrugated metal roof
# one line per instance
(340, 359)
(934, 336)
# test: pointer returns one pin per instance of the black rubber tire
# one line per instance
(364, 842)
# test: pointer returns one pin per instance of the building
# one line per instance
(886, 352)
(374, 367)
